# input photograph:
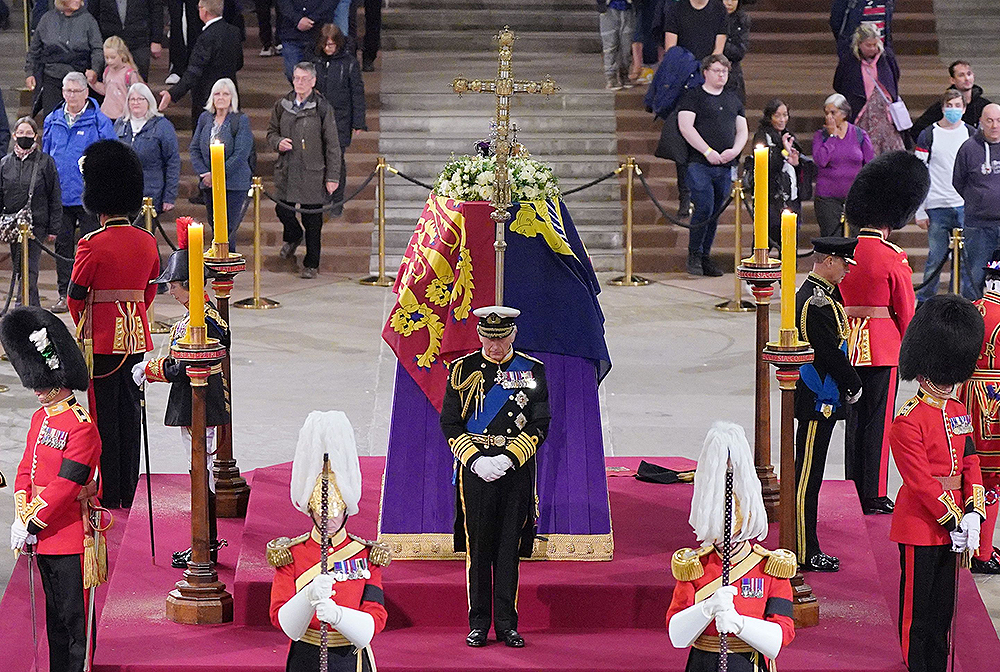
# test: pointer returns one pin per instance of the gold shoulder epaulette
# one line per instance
(379, 553)
(781, 562)
(81, 413)
(529, 357)
(214, 315)
(92, 233)
(894, 246)
(279, 553)
(906, 408)
(686, 565)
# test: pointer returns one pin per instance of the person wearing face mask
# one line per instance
(943, 210)
(977, 179)
(29, 174)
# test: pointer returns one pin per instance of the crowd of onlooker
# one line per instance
(88, 68)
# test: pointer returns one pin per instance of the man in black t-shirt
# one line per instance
(714, 124)
(697, 25)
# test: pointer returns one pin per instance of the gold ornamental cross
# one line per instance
(504, 87)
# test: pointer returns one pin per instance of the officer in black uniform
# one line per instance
(825, 386)
(495, 415)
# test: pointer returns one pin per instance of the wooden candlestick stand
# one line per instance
(199, 597)
(232, 494)
(761, 272)
(787, 355)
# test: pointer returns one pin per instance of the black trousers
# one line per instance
(264, 26)
(51, 94)
(926, 605)
(828, 213)
(313, 225)
(73, 216)
(181, 42)
(866, 447)
(303, 657)
(34, 255)
(65, 611)
(812, 442)
(116, 399)
(706, 661)
(373, 31)
(495, 515)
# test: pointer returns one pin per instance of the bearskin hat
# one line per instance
(943, 341)
(887, 192)
(42, 350)
(112, 179)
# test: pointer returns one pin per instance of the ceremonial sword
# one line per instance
(149, 491)
(727, 555)
(324, 523)
(29, 550)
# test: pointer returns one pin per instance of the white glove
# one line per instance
(853, 398)
(486, 469)
(503, 463)
(18, 534)
(729, 622)
(329, 611)
(970, 525)
(721, 600)
(321, 588)
(139, 374)
(959, 540)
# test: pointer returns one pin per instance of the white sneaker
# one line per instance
(172, 79)
(267, 51)
(277, 49)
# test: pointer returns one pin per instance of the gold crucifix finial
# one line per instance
(503, 87)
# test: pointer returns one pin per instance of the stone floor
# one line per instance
(679, 364)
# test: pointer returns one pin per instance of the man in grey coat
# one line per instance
(303, 131)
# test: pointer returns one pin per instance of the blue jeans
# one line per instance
(980, 241)
(710, 186)
(942, 222)
(294, 53)
(341, 14)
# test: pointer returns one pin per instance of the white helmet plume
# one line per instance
(326, 432)
(727, 442)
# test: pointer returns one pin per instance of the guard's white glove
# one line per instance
(970, 525)
(321, 588)
(853, 398)
(959, 539)
(139, 374)
(486, 468)
(18, 534)
(329, 611)
(503, 463)
(729, 622)
(721, 600)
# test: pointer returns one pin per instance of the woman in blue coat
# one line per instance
(223, 121)
(154, 140)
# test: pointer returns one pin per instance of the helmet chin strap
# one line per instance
(993, 285)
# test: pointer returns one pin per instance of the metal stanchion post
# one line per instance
(380, 280)
(148, 213)
(956, 246)
(737, 305)
(27, 36)
(629, 280)
(257, 302)
(25, 232)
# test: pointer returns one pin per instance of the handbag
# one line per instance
(672, 145)
(10, 224)
(900, 115)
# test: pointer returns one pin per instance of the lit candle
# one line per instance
(219, 215)
(196, 275)
(788, 259)
(760, 167)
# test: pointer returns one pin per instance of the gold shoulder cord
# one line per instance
(471, 387)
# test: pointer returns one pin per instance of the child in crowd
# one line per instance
(617, 30)
(119, 74)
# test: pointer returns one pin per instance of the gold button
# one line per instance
(510, 413)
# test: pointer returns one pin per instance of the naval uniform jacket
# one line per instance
(762, 593)
(170, 370)
(829, 378)
(62, 455)
(879, 299)
(110, 288)
(931, 442)
(981, 393)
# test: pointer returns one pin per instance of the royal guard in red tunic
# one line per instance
(56, 478)
(347, 599)
(109, 293)
(755, 609)
(941, 504)
(981, 395)
(879, 299)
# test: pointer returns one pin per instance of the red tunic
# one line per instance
(932, 438)
(355, 593)
(981, 393)
(63, 454)
(878, 295)
(759, 595)
(112, 271)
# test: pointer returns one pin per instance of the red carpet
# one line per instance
(575, 615)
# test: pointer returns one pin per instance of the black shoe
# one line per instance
(709, 267)
(821, 562)
(684, 211)
(877, 505)
(287, 250)
(180, 559)
(694, 265)
(511, 639)
(991, 566)
(477, 637)
(368, 66)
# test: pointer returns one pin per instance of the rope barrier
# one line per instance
(163, 233)
(54, 255)
(10, 291)
(592, 183)
(329, 206)
(935, 275)
(406, 177)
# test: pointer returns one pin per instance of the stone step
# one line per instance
(922, 6)
(538, 121)
(511, 6)
(489, 20)
(553, 143)
(580, 41)
(484, 106)
(779, 21)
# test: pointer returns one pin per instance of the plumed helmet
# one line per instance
(887, 192)
(176, 269)
(43, 352)
(943, 341)
(330, 433)
(112, 179)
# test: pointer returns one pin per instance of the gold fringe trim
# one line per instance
(583, 547)
(95, 562)
(781, 563)
(685, 563)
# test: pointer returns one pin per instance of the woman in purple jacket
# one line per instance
(839, 149)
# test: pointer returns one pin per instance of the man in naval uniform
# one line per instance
(755, 609)
(981, 396)
(169, 370)
(495, 415)
(109, 293)
(941, 504)
(56, 478)
(826, 386)
(348, 598)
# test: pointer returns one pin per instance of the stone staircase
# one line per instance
(422, 122)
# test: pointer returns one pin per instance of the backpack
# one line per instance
(252, 159)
